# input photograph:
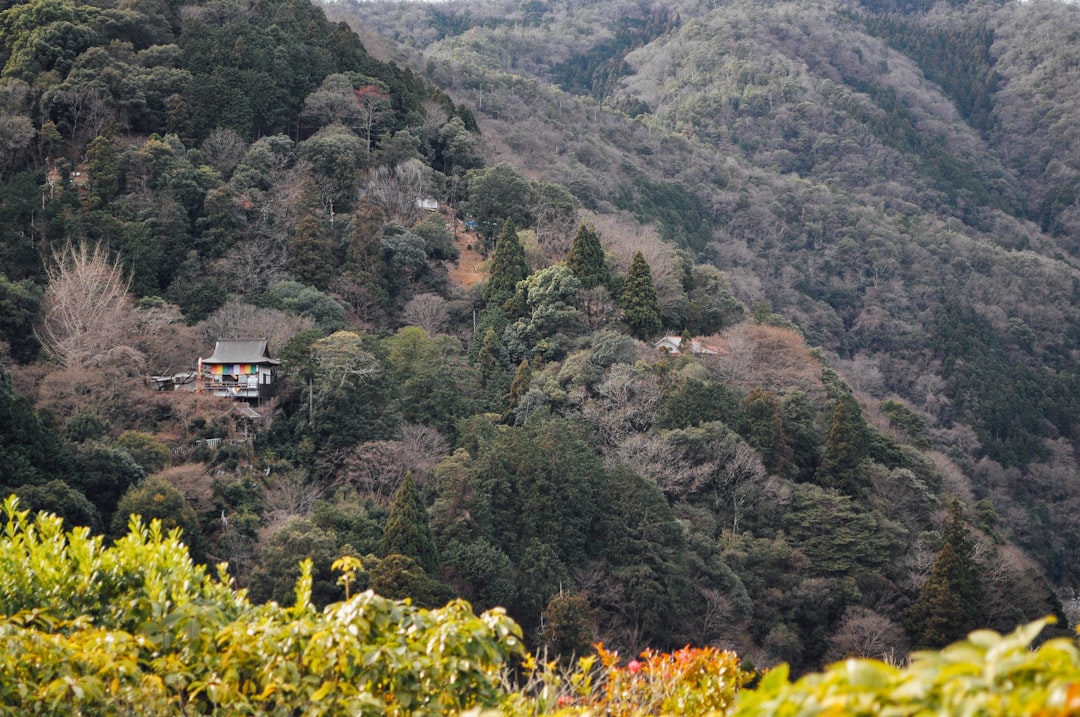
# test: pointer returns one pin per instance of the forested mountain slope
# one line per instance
(871, 411)
(899, 179)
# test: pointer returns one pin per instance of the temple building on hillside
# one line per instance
(239, 368)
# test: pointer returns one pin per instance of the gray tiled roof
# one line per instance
(241, 351)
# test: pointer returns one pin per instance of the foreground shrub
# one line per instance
(988, 674)
(690, 681)
(136, 628)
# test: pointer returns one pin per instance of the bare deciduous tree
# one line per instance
(163, 338)
(377, 468)
(396, 190)
(292, 493)
(428, 311)
(224, 149)
(82, 109)
(237, 319)
(627, 403)
(865, 633)
(87, 312)
(435, 114)
(598, 307)
(362, 299)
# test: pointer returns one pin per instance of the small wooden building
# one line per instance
(239, 368)
(673, 345)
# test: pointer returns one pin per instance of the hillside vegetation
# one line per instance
(893, 177)
(864, 444)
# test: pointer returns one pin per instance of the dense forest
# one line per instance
(462, 227)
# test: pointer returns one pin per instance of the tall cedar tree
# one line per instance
(845, 449)
(586, 259)
(407, 531)
(519, 385)
(311, 247)
(641, 309)
(949, 605)
(508, 266)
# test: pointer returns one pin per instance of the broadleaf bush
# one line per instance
(137, 628)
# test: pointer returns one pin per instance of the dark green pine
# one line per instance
(508, 266)
(641, 308)
(845, 449)
(949, 605)
(586, 259)
(407, 531)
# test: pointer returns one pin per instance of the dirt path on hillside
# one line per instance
(468, 271)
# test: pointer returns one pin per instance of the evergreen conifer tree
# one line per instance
(407, 531)
(508, 266)
(949, 605)
(845, 448)
(641, 308)
(519, 385)
(311, 247)
(586, 259)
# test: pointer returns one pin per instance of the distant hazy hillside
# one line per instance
(899, 178)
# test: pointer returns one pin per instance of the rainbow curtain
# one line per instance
(236, 369)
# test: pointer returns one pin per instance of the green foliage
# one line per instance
(846, 447)
(597, 71)
(44, 35)
(586, 259)
(19, 254)
(30, 451)
(519, 385)
(156, 500)
(90, 629)
(495, 195)
(480, 571)
(407, 531)
(710, 305)
(356, 522)
(950, 603)
(508, 266)
(405, 257)
(565, 626)
(19, 305)
(104, 474)
(1005, 400)
(545, 303)
(683, 216)
(838, 535)
(306, 301)
(300, 539)
(143, 583)
(148, 451)
(399, 577)
(692, 402)
(985, 674)
(959, 60)
(764, 430)
(343, 395)
(641, 308)
(85, 426)
(532, 495)
(904, 419)
(438, 241)
(644, 545)
(456, 149)
(435, 385)
(63, 501)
